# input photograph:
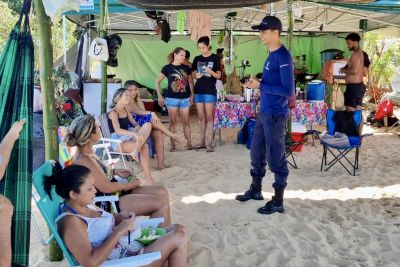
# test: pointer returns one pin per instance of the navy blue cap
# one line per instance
(269, 23)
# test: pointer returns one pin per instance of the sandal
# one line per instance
(210, 149)
(200, 147)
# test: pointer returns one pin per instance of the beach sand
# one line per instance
(331, 218)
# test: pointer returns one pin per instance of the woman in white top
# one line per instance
(94, 236)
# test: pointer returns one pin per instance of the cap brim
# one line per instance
(256, 27)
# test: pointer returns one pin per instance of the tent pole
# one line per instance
(64, 31)
(289, 36)
(103, 34)
(289, 43)
(231, 43)
(50, 124)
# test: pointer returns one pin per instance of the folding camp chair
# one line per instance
(106, 139)
(49, 210)
(292, 145)
(340, 153)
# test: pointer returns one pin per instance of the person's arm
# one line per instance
(160, 77)
(101, 181)
(215, 74)
(7, 144)
(75, 235)
(286, 83)
(133, 108)
(191, 86)
(354, 64)
(132, 120)
(114, 119)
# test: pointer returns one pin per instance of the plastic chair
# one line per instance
(106, 139)
(341, 153)
(49, 210)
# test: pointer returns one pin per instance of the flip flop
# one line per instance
(210, 149)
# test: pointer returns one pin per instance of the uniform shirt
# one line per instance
(206, 84)
(178, 83)
(277, 83)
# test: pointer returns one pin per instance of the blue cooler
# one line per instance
(250, 130)
(315, 91)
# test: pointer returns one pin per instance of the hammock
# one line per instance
(16, 102)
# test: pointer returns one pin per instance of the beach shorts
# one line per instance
(207, 98)
(121, 137)
(142, 119)
(177, 102)
(354, 94)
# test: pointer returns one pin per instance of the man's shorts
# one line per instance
(354, 94)
(177, 102)
(207, 98)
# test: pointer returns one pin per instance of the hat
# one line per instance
(269, 23)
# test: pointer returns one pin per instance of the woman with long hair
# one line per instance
(206, 70)
(147, 200)
(179, 94)
(94, 235)
(142, 116)
(133, 140)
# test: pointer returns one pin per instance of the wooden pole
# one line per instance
(103, 34)
(50, 124)
(289, 44)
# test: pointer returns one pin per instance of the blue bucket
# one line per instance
(315, 91)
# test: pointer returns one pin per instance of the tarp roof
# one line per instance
(316, 16)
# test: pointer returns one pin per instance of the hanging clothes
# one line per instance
(199, 25)
(180, 21)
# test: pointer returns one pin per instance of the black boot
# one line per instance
(275, 205)
(254, 191)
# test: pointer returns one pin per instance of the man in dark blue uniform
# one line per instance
(268, 143)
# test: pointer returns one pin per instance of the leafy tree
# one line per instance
(14, 5)
(385, 57)
(9, 18)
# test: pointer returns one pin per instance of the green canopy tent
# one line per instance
(16, 94)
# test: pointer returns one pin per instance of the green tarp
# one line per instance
(141, 57)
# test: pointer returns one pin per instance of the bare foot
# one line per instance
(189, 146)
(161, 167)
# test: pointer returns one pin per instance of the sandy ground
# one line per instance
(331, 218)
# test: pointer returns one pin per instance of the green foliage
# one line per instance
(385, 57)
(9, 17)
(14, 5)
(8, 20)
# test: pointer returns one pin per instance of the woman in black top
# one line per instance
(133, 141)
(206, 70)
(179, 94)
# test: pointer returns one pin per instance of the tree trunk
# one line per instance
(50, 124)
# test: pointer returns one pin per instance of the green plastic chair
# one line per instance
(49, 210)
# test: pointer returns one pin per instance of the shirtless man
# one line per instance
(354, 70)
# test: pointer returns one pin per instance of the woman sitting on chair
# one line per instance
(142, 116)
(143, 200)
(133, 141)
(92, 235)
